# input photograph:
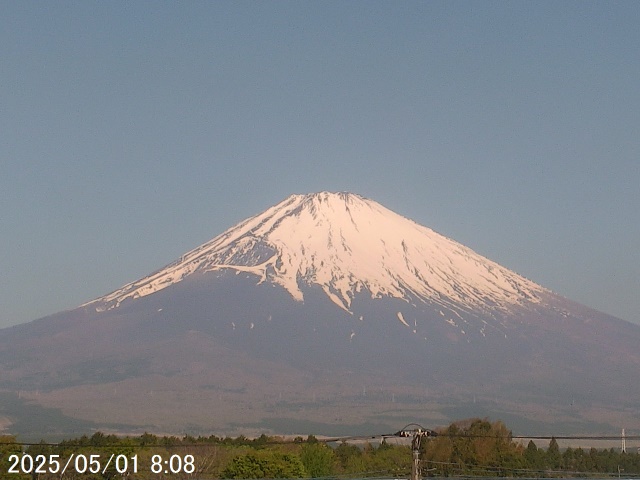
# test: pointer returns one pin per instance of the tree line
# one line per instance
(477, 447)
(474, 447)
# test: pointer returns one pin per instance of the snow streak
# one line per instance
(346, 244)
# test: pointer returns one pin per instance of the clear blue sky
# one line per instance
(132, 132)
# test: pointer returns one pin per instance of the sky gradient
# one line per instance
(135, 131)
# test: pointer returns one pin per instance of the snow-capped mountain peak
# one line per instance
(346, 245)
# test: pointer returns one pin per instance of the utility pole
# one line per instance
(416, 474)
(417, 433)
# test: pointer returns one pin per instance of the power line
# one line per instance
(406, 432)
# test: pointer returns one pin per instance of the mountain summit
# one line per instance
(347, 245)
(327, 313)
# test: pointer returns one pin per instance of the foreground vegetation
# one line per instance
(473, 447)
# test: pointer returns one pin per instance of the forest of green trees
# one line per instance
(474, 447)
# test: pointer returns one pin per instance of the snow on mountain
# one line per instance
(347, 245)
(324, 294)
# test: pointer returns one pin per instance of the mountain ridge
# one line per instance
(289, 252)
(294, 312)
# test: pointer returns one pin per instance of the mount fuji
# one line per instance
(327, 313)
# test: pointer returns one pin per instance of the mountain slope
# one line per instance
(327, 308)
(347, 244)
